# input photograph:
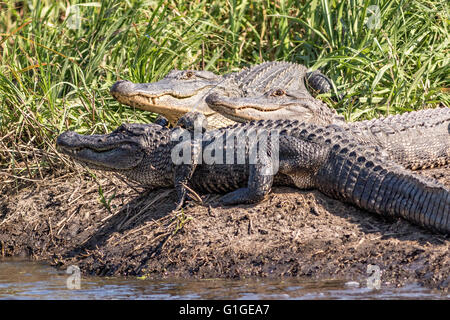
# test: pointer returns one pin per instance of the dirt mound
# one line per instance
(117, 229)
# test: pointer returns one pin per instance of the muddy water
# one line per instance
(21, 279)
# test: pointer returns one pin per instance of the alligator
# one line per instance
(178, 93)
(416, 140)
(276, 90)
(182, 91)
(302, 155)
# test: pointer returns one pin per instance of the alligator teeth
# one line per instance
(74, 150)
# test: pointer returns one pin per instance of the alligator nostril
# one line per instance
(62, 139)
(122, 87)
(211, 99)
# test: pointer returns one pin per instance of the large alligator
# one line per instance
(276, 90)
(183, 91)
(307, 156)
(416, 140)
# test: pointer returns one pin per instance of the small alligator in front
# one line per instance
(326, 158)
(277, 90)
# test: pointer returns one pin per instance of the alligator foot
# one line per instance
(320, 83)
(162, 121)
(193, 120)
(240, 196)
(259, 185)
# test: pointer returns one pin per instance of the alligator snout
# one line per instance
(72, 140)
(212, 99)
(122, 87)
(66, 139)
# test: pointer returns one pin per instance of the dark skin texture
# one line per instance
(279, 90)
(183, 91)
(308, 156)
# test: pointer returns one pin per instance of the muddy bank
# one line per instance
(64, 221)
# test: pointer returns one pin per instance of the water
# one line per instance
(32, 280)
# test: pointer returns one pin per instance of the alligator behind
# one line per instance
(416, 140)
(183, 91)
(277, 90)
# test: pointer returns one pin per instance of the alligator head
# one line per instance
(183, 91)
(179, 92)
(130, 150)
(276, 103)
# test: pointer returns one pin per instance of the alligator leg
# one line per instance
(259, 185)
(193, 121)
(182, 175)
(297, 158)
(320, 83)
(162, 121)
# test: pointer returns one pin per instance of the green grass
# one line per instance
(54, 78)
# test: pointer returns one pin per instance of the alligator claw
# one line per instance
(182, 203)
(241, 196)
(162, 121)
(179, 205)
(193, 120)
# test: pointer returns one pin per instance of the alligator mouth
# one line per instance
(243, 112)
(119, 158)
(148, 100)
(105, 156)
(124, 88)
(79, 151)
(245, 109)
(154, 96)
(169, 103)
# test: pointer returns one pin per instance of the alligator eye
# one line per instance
(123, 127)
(188, 74)
(278, 93)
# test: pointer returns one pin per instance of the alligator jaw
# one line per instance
(241, 109)
(238, 109)
(104, 152)
(163, 97)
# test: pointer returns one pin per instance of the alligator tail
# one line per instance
(383, 187)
